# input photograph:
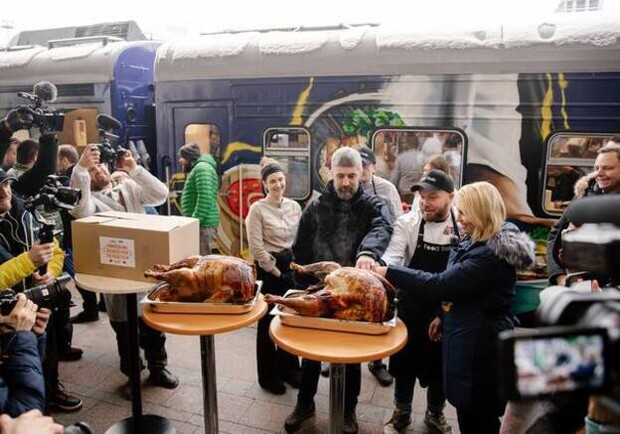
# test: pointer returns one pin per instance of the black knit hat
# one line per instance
(191, 152)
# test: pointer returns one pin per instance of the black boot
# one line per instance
(350, 422)
(380, 372)
(163, 378)
(298, 416)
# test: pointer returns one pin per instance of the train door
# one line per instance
(209, 128)
(206, 125)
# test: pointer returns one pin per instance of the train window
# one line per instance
(570, 156)
(403, 153)
(290, 146)
(207, 136)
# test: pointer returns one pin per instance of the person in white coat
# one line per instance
(100, 193)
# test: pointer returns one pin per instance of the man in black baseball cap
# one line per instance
(377, 186)
(368, 157)
(422, 240)
(435, 180)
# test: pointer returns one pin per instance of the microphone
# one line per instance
(45, 91)
(604, 208)
(105, 122)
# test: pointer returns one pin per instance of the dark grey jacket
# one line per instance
(332, 229)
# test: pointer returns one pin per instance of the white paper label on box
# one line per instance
(117, 251)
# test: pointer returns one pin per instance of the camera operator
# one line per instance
(604, 180)
(100, 193)
(29, 183)
(17, 227)
(22, 339)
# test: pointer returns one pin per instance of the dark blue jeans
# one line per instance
(310, 373)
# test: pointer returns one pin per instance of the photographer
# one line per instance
(29, 183)
(100, 193)
(22, 386)
(15, 270)
(17, 244)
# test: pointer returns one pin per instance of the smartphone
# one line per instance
(539, 363)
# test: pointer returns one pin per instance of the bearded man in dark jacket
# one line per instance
(349, 227)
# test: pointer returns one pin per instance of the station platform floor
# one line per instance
(243, 406)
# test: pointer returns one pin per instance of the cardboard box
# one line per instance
(124, 245)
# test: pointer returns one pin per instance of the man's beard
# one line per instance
(345, 193)
(437, 216)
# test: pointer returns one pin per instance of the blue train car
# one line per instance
(489, 98)
(93, 75)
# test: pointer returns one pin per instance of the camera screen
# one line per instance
(548, 365)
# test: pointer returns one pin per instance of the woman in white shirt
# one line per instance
(271, 227)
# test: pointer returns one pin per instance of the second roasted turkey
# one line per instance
(343, 293)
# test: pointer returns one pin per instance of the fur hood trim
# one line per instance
(584, 185)
(514, 247)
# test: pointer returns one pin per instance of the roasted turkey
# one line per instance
(344, 293)
(211, 278)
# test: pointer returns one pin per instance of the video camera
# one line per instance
(109, 152)
(53, 196)
(49, 296)
(581, 352)
(44, 117)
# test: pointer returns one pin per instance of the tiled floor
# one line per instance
(243, 406)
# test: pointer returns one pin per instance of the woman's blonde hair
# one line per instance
(484, 207)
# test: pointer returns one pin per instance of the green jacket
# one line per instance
(199, 199)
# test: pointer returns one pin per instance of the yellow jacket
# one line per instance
(20, 267)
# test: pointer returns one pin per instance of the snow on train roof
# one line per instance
(563, 42)
(84, 63)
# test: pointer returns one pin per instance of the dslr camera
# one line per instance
(579, 349)
(108, 151)
(44, 117)
(49, 296)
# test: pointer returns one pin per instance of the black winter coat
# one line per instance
(332, 229)
(480, 281)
